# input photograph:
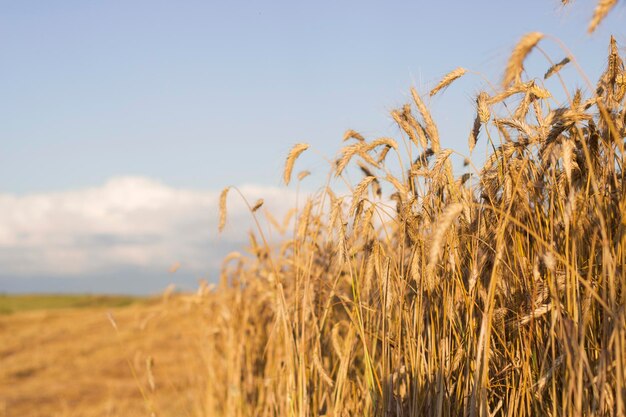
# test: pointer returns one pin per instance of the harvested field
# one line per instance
(73, 362)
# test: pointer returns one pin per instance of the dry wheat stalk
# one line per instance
(443, 223)
(335, 214)
(448, 79)
(483, 114)
(275, 224)
(360, 189)
(368, 173)
(568, 158)
(317, 362)
(397, 184)
(347, 153)
(291, 160)
(430, 126)
(473, 136)
(401, 119)
(383, 154)
(515, 66)
(538, 92)
(379, 142)
(223, 211)
(556, 68)
(419, 129)
(536, 313)
(416, 265)
(602, 9)
(149, 372)
(512, 90)
(440, 159)
(257, 205)
(352, 134)
(303, 174)
(522, 109)
(615, 63)
(305, 219)
(482, 103)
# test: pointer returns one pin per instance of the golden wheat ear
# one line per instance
(448, 79)
(223, 212)
(294, 153)
(444, 221)
(556, 68)
(352, 134)
(257, 205)
(602, 9)
(303, 174)
(515, 66)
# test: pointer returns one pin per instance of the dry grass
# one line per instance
(72, 362)
(503, 295)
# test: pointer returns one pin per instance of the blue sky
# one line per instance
(196, 95)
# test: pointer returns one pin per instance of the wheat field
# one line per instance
(425, 292)
(107, 357)
(428, 289)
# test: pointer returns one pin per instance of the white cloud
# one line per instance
(127, 222)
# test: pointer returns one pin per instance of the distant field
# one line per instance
(24, 302)
(92, 356)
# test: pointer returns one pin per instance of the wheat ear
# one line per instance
(448, 79)
(602, 9)
(257, 205)
(515, 66)
(291, 160)
(556, 68)
(223, 211)
(445, 220)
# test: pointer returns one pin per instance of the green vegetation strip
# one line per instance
(13, 303)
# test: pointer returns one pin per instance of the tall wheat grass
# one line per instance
(501, 295)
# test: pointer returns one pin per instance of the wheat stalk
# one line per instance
(515, 66)
(347, 153)
(303, 174)
(360, 189)
(443, 223)
(430, 126)
(257, 205)
(483, 114)
(473, 136)
(556, 68)
(352, 134)
(222, 207)
(389, 142)
(448, 79)
(291, 160)
(602, 9)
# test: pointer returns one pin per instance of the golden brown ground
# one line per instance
(72, 362)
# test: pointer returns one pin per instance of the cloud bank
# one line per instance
(129, 223)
